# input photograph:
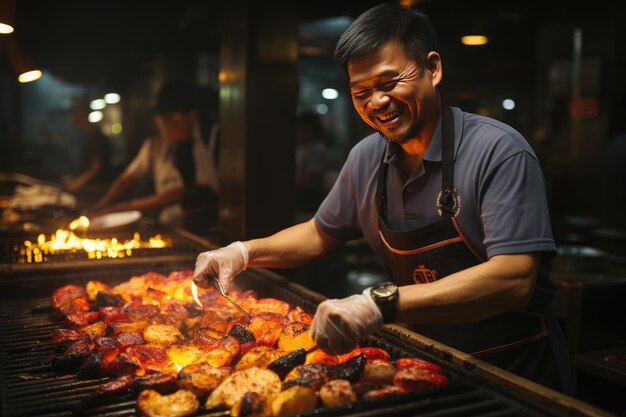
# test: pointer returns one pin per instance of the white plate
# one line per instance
(113, 220)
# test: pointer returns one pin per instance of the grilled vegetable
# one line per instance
(163, 334)
(259, 357)
(202, 378)
(251, 405)
(415, 379)
(231, 390)
(336, 393)
(283, 365)
(350, 370)
(242, 334)
(294, 400)
(404, 363)
(179, 404)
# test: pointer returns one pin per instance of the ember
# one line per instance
(65, 240)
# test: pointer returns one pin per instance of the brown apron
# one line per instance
(514, 340)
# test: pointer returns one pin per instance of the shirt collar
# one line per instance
(433, 153)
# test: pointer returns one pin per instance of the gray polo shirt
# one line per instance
(504, 208)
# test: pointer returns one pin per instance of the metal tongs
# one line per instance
(220, 290)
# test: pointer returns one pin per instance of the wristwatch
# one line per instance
(385, 295)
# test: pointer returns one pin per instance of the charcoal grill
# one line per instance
(184, 246)
(29, 387)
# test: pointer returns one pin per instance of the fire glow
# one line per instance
(67, 240)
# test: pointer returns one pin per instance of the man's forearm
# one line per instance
(503, 283)
(292, 247)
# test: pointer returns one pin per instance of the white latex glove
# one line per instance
(339, 324)
(225, 263)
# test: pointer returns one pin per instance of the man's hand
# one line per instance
(339, 324)
(224, 263)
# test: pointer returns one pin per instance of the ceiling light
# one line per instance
(25, 70)
(7, 16)
(95, 116)
(97, 104)
(29, 76)
(330, 93)
(474, 40)
(112, 98)
(508, 104)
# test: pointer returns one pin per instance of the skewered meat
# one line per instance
(337, 392)
(229, 392)
(179, 404)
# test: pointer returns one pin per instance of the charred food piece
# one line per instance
(242, 334)
(251, 404)
(116, 386)
(179, 404)
(283, 365)
(350, 370)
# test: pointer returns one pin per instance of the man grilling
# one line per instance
(454, 202)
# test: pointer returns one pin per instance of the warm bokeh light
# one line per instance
(29, 76)
(116, 128)
(474, 40)
(5, 29)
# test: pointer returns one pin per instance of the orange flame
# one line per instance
(66, 240)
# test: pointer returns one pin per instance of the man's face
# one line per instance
(391, 94)
(176, 126)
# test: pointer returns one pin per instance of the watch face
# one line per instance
(385, 289)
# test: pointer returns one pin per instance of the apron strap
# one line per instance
(446, 200)
(381, 188)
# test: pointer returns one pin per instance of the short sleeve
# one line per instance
(514, 208)
(140, 165)
(338, 214)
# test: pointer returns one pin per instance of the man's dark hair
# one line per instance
(382, 24)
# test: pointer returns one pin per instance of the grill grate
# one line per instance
(30, 387)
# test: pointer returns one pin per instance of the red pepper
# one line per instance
(405, 363)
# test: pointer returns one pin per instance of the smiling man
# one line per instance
(454, 202)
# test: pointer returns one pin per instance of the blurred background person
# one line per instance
(181, 160)
(95, 171)
(311, 162)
